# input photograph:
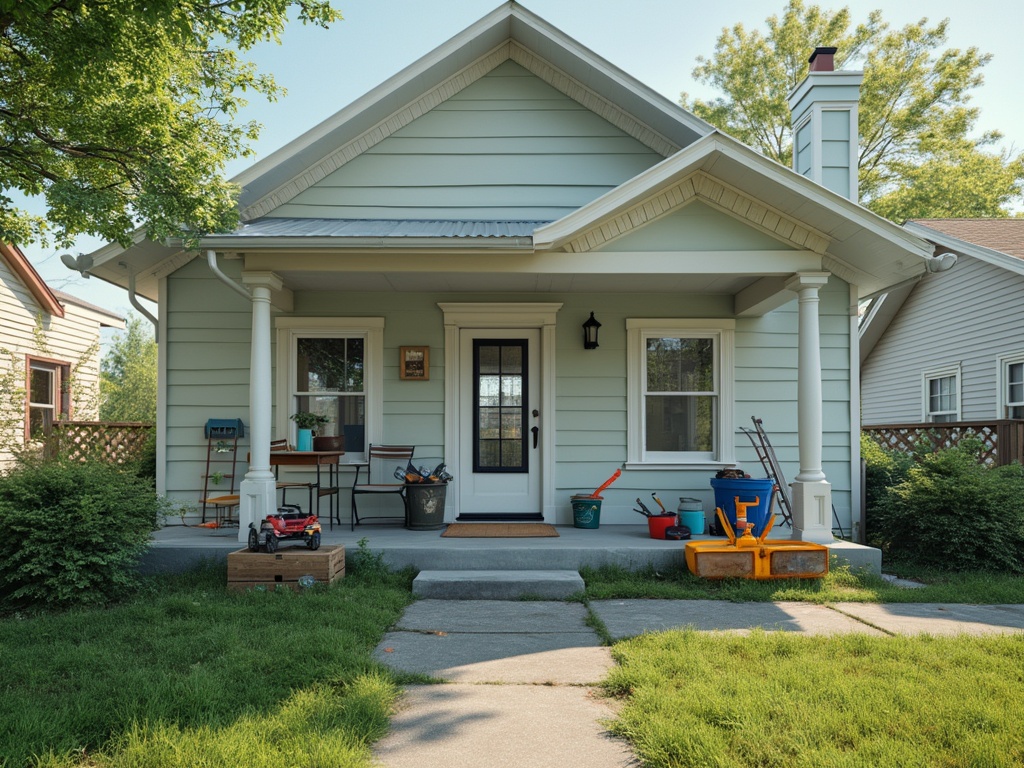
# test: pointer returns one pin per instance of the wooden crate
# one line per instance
(249, 570)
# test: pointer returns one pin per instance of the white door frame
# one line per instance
(500, 315)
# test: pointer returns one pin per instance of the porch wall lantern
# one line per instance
(590, 333)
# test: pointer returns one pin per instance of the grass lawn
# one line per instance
(777, 699)
(188, 674)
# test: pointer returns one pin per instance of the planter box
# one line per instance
(249, 570)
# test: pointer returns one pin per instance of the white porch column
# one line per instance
(812, 493)
(258, 490)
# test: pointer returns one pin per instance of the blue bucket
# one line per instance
(747, 489)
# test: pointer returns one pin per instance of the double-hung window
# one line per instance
(47, 395)
(680, 391)
(332, 367)
(941, 395)
(1011, 377)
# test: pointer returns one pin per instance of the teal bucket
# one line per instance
(692, 519)
(747, 489)
(586, 511)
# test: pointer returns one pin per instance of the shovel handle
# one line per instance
(606, 483)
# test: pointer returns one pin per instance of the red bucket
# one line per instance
(658, 524)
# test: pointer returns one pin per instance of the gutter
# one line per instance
(211, 260)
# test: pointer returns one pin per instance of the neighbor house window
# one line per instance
(332, 367)
(942, 395)
(680, 391)
(1011, 375)
(48, 395)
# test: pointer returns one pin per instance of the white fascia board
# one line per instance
(880, 314)
(980, 252)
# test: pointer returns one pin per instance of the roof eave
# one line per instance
(981, 252)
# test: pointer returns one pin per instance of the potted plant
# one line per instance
(306, 422)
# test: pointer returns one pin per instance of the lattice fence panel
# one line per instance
(1000, 441)
(114, 442)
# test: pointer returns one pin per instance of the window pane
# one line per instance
(41, 386)
(490, 453)
(680, 365)
(680, 423)
(489, 391)
(490, 423)
(511, 455)
(490, 358)
(512, 359)
(1016, 384)
(511, 424)
(330, 365)
(942, 396)
(340, 411)
(39, 421)
(511, 390)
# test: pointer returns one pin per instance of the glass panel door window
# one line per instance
(499, 405)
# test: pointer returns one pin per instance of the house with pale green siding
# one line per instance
(480, 205)
(49, 354)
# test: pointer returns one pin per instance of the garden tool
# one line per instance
(643, 508)
(606, 483)
(663, 510)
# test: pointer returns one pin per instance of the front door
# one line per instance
(499, 466)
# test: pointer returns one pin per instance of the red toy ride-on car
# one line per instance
(290, 522)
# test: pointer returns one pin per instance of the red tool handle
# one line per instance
(606, 483)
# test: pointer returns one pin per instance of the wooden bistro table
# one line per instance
(318, 459)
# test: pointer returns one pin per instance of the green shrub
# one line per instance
(954, 513)
(883, 469)
(73, 533)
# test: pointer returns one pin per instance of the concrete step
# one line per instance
(496, 585)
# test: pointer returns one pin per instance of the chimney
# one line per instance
(824, 120)
(823, 59)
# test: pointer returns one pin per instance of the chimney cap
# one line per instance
(822, 60)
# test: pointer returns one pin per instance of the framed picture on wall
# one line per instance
(414, 363)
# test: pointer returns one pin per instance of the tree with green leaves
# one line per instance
(128, 375)
(918, 158)
(119, 113)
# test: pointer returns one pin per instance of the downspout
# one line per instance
(211, 260)
(134, 300)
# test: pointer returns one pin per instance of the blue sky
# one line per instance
(655, 41)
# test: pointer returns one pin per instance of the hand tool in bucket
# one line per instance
(596, 494)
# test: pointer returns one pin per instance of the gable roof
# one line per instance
(510, 32)
(999, 242)
(22, 267)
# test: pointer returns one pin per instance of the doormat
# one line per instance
(499, 531)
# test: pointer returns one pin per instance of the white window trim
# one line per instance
(940, 373)
(291, 328)
(724, 331)
(1003, 363)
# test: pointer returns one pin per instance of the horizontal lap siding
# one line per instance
(66, 339)
(969, 315)
(508, 147)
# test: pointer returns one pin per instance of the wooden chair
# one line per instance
(381, 461)
(282, 445)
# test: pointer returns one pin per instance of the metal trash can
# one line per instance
(426, 505)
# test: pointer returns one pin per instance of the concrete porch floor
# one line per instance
(178, 547)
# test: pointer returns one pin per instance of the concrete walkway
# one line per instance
(519, 677)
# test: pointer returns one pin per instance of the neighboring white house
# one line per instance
(950, 347)
(49, 353)
(481, 204)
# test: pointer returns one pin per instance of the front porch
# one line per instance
(177, 547)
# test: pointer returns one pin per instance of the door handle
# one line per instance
(536, 432)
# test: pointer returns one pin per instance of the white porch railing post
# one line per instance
(258, 490)
(812, 493)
